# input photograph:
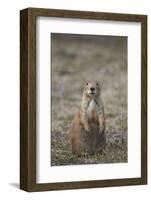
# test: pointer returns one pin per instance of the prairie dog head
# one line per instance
(92, 89)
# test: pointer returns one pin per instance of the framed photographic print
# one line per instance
(83, 99)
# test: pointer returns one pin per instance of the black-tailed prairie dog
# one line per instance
(87, 131)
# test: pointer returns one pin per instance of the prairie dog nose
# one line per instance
(92, 88)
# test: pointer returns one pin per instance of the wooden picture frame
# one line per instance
(28, 98)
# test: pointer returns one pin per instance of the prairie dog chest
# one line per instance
(91, 110)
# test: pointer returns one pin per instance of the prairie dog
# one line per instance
(87, 132)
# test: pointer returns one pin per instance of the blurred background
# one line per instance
(74, 60)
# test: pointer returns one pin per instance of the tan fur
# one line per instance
(87, 132)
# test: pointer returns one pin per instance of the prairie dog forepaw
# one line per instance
(87, 128)
(101, 130)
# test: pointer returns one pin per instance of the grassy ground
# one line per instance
(76, 59)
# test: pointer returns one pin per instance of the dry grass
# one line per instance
(75, 60)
